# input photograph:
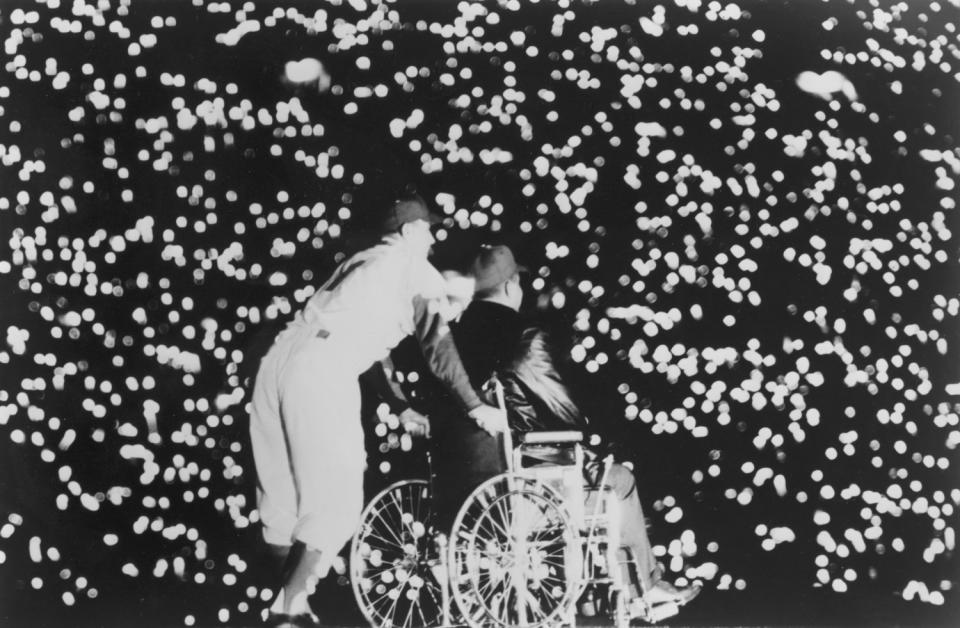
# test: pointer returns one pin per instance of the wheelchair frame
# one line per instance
(522, 551)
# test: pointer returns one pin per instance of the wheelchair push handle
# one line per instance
(506, 437)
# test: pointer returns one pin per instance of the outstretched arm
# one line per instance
(440, 352)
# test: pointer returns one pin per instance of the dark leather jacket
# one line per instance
(493, 339)
(536, 398)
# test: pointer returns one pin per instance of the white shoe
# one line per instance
(663, 592)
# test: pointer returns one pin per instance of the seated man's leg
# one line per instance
(633, 528)
(465, 457)
(633, 537)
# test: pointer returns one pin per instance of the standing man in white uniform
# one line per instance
(305, 424)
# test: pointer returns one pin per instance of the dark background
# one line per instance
(83, 369)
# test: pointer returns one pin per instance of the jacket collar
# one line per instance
(496, 311)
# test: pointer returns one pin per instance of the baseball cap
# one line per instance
(494, 265)
(407, 209)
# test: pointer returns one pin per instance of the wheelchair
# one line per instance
(525, 548)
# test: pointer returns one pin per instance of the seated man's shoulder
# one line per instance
(533, 347)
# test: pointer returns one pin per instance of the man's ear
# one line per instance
(510, 286)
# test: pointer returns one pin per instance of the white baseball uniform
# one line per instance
(305, 423)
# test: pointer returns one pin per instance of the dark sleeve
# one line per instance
(521, 414)
(441, 353)
(378, 379)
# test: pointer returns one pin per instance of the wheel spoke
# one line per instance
(397, 524)
(394, 602)
(536, 608)
(389, 526)
(383, 599)
(504, 531)
(423, 620)
(407, 525)
(373, 574)
(406, 621)
(507, 517)
(488, 587)
(433, 596)
(388, 588)
(507, 588)
(387, 543)
(392, 529)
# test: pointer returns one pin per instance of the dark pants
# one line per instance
(464, 456)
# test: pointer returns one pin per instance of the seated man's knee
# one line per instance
(621, 481)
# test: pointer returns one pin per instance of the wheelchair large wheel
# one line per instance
(515, 555)
(392, 559)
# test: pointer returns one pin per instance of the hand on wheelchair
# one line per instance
(491, 420)
(414, 423)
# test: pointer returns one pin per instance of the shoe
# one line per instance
(664, 592)
(688, 593)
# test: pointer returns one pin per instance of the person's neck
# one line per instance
(501, 300)
(401, 241)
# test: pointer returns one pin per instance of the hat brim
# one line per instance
(434, 219)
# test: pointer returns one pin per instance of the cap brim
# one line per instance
(435, 219)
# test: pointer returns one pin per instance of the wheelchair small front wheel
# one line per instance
(515, 555)
(393, 559)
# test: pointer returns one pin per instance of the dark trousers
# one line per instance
(464, 456)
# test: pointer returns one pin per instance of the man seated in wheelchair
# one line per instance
(493, 338)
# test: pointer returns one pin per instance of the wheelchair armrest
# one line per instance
(553, 438)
